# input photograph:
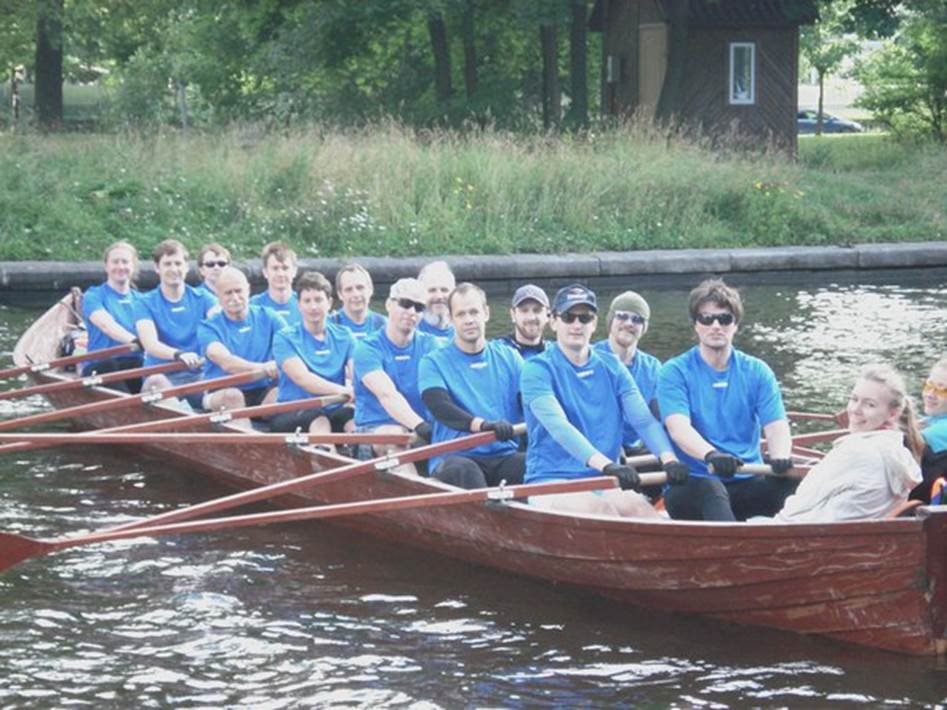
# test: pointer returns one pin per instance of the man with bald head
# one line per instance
(239, 339)
(627, 322)
(438, 281)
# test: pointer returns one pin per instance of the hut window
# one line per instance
(742, 73)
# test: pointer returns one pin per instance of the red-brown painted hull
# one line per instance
(881, 584)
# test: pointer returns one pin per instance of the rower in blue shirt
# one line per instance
(714, 400)
(279, 270)
(626, 324)
(314, 359)
(386, 369)
(353, 285)
(529, 311)
(472, 385)
(438, 281)
(239, 339)
(108, 311)
(576, 402)
(166, 318)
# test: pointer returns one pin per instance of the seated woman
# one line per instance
(108, 312)
(871, 470)
(934, 458)
(314, 359)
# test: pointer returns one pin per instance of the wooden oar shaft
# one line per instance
(231, 438)
(817, 416)
(69, 360)
(385, 505)
(818, 437)
(320, 478)
(120, 402)
(93, 381)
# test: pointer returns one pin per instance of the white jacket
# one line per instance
(863, 477)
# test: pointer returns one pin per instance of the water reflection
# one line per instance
(315, 616)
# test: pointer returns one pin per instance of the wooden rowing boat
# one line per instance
(881, 583)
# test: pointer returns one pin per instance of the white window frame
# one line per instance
(731, 94)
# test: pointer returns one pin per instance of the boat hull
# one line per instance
(877, 583)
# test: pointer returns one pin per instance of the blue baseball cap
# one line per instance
(574, 295)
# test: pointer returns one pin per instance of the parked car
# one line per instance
(806, 121)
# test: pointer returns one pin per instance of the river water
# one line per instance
(308, 615)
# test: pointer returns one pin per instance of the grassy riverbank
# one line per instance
(390, 191)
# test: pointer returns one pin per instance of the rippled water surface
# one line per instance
(311, 615)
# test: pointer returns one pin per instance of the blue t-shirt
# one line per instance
(525, 351)
(644, 369)
(374, 321)
(121, 306)
(377, 352)
(727, 408)
(251, 339)
(935, 433)
(325, 357)
(176, 322)
(204, 288)
(289, 310)
(590, 395)
(485, 385)
(446, 332)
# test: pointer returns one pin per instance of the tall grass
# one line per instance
(388, 190)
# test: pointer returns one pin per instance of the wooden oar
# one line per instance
(818, 437)
(190, 420)
(93, 380)
(120, 402)
(17, 548)
(812, 415)
(236, 438)
(69, 360)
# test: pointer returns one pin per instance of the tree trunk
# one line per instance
(552, 95)
(441, 52)
(669, 104)
(578, 64)
(47, 98)
(818, 117)
(15, 97)
(470, 49)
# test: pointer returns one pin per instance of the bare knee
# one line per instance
(230, 398)
(155, 383)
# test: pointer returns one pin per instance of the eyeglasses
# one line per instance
(709, 318)
(212, 264)
(930, 387)
(407, 303)
(583, 318)
(628, 316)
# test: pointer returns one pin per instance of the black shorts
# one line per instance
(302, 418)
(115, 364)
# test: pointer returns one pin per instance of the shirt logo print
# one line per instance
(585, 373)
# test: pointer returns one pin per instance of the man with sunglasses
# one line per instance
(714, 400)
(212, 259)
(577, 401)
(627, 322)
(472, 385)
(386, 369)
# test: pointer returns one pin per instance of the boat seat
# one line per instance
(905, 509)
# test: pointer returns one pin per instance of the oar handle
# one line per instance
(93, 380)
(69, 360)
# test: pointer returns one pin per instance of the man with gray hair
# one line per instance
(438, 282)
(627, 322)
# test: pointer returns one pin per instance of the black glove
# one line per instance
(677, 472)
(780, 466)
(136, 342)
(627, 476)
(424, 432)
(724, 465)
(502, 428)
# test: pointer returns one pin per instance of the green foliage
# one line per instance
(906, 81)
(388, 190)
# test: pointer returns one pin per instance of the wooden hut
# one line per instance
(728, 67)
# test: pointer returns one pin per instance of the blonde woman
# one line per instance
(872, 469)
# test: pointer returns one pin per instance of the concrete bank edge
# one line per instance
(501, 272)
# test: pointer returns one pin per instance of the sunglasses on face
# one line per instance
(212, 264)
(931, 388)
(709, 318)
(407, 304)
(583, 318)
(624, 316)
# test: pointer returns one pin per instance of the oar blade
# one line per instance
(16, 548)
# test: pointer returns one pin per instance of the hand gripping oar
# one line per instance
(185, 421)
(134, 401)
(16, 548)
(70, 360)
(94, 380)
